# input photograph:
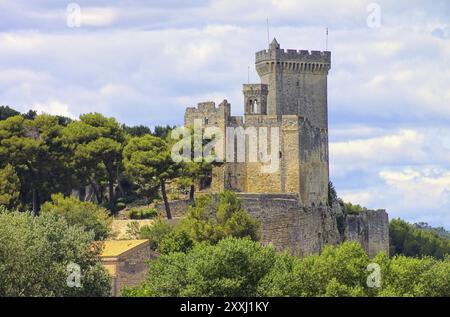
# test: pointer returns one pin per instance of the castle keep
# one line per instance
(288, 111)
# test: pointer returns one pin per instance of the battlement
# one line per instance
(210, 106)
(291, 55)
(208, 112)
(255, 87)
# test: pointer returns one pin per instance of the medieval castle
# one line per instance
(292, 200)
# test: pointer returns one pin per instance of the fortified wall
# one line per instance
(287, 113)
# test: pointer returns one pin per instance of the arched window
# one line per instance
(250, 106)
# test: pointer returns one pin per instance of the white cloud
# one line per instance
(144, 62)
(54, 108)
(98, 16)
(416, 194)
(382, 149)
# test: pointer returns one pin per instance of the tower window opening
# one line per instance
(250, 106)
(206, 120)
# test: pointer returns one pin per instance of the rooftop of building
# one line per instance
(115, 248)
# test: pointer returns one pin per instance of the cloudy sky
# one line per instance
(143, 62)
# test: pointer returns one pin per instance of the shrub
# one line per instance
(156, 232)
(35, 253)
(407, 239)
(213, 218)
(233, 267)
(76, 212)
(143, 213)
(241, 267)
(120, 206)
(352, 209)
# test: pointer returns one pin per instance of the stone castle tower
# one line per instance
(292, 199)
(292, 97)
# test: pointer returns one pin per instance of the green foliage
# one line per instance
(148, 161)
(440, 230)
(407, 277)
(86, 214)
(176, 241)
(34, 149)
(97, 143)
(162, 132)
(30, 115)
(233, 267)
(209, 220)
(156, 232)
(354, 209)
(166, 238)
(133, 230)
(241, 267)
(120, 206)
(332, 194)
(213, 218)
(9, 187)
(148, 213)
(139, 130)
(35, 252)
(409, 240)
(343, 266)
(6, 112)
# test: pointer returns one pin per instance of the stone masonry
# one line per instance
(292, 200)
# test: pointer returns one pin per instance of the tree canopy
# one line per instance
(85, 214)
(410, 240)
(36, 254)
(241, 267)
(209, 219)
(148, 161)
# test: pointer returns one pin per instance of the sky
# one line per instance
(143, 62)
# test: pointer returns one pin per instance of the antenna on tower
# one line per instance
(268, 36)
(326, 41)
(248, 75)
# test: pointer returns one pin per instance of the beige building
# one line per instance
(288, 113)
(291, 100)
(126, 262)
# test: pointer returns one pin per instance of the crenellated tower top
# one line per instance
(296, 81)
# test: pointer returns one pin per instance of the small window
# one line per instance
(206, 120)
(298, 84)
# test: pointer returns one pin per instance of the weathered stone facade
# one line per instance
(127, 262)
(287, 224)
(291, 200)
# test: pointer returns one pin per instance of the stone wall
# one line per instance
(371, 229)
(287, 224)
(178, 208)
(313, 159)
(130, 268)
